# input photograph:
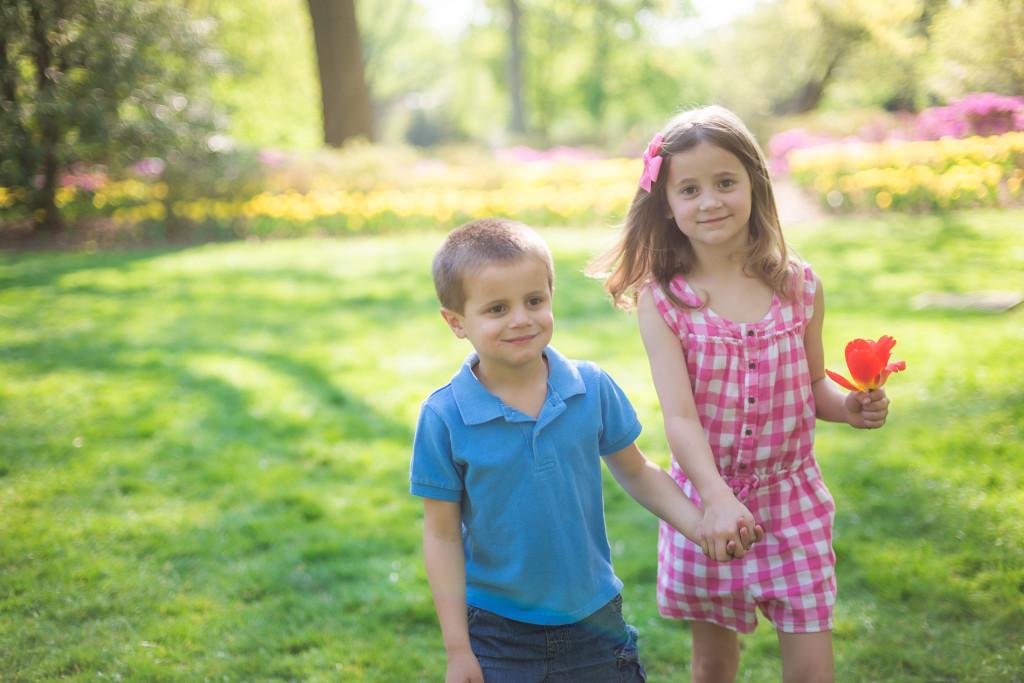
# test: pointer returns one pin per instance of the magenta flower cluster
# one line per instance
(976, 114)
(980, 114)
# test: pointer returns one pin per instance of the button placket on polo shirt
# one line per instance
(543, 449)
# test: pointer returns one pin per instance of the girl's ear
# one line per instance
(454, 322)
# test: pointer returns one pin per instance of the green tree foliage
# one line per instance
(795, 56)
(97, 82)
(268, 86)
(590, 71)
(788, 56)
(410, 71)
(978, 46)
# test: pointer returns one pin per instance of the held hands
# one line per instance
(727, 530)
(867, 409)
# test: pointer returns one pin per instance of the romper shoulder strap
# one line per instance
(678, 319)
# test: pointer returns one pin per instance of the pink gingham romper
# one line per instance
(753, 393)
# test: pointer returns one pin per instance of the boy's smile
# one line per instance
(507, 315)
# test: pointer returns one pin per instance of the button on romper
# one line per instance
(753, 393)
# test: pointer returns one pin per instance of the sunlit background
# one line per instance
(217, 322)
(136, 121)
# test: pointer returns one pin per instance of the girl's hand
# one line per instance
(727, 529)
(867, 409)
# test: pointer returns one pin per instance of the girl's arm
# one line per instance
(446, 574)
(685, 434)
(860, 409)
(657, 491)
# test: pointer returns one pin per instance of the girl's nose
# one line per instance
(710, 200)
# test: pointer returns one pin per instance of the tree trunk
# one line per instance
(515, 68)
(46, 215)
(339, 56)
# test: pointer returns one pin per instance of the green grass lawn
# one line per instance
(204, 457)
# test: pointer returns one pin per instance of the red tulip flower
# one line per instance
(869, 364)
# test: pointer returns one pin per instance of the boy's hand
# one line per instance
(867, 409)
(463, 667)
(727, 530)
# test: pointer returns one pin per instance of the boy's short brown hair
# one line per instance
(478, 244)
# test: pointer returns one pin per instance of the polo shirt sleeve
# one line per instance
(620, 425)
(432, 472)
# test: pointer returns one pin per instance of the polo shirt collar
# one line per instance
(477, 405)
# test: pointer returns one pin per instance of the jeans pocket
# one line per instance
(628, 657)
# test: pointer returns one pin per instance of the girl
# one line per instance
(732, 322)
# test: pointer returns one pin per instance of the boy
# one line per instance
(507, 460)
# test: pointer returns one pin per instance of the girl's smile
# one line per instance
(709, 196)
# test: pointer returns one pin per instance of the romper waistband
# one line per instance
(744, 486)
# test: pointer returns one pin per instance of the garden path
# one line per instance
(792, 202)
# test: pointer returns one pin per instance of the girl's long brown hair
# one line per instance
(650, 247)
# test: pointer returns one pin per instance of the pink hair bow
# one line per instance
(652, 163)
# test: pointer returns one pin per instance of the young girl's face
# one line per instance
(708, 192)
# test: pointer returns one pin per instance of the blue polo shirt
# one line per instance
(533, 525)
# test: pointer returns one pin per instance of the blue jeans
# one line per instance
(601, 648)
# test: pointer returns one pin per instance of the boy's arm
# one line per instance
(860, 409)
(655, 489)
(446, 572)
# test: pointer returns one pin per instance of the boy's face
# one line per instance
(507, 316)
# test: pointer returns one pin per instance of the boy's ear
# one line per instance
(454, 321)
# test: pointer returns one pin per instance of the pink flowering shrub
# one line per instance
(780, 146)
(976, 114)
(981, 114)
(967, 153)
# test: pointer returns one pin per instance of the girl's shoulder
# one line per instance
(677, 291)
(805, 282)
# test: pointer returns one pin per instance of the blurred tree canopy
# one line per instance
(978, 46)
(97, 81)
(795, 56)
(114, 82)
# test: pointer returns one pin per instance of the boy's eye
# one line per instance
(535, 301)
(497, 308)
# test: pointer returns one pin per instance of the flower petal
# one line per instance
(841, 381)
(863, 362)
(889, 369)
(883, 347)
(897, 366)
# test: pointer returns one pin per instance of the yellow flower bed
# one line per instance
(902, 175)
(890, 176)
(547, 194)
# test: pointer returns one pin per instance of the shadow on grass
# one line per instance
(205, 463)
(197, 432)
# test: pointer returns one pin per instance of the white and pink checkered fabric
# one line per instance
(753, 393)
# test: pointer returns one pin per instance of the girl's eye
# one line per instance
(500, 308)
(728, 182)
(691, 190)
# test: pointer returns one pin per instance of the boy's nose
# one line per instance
(519, 317)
